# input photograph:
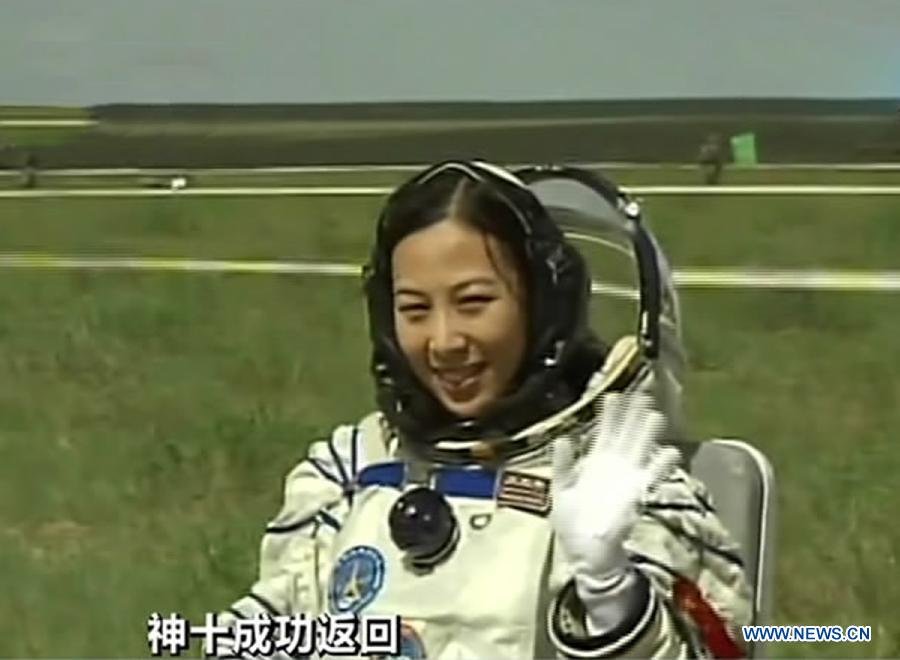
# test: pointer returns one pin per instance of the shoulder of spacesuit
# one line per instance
(328, 473)
(375, 440)
(352, 447)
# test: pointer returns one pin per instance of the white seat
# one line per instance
(741, 481)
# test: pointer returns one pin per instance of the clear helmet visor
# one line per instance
(633, 289)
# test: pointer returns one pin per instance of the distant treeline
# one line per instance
(637, 131)
(481, 110)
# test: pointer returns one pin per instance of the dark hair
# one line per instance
(475, 203)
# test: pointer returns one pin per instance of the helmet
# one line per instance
(561, 352)
(591, 208)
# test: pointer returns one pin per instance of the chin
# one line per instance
(468, 410)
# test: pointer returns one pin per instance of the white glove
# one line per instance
(596, 496)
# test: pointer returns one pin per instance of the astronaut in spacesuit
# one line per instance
(512, 497)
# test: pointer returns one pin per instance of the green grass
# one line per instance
(147, 420)
(37, 136)
(810, 379)
(267, 228)
(147, 423)
(776, 232)
(661, 175)
(22, 138)
(41, 112)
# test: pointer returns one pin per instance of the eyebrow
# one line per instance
(485, 281)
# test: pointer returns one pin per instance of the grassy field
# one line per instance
(42, 112)
(36, 137)
(148, 419)
(702, 231)
(625, 176)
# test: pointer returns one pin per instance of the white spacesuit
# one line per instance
(498, 594)
(502, 586)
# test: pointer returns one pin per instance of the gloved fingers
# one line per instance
(628, 425)
(605, 429)
(646, 428)
(610, 412)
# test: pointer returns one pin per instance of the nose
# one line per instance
(447, 341)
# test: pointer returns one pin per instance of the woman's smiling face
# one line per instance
(459, 314)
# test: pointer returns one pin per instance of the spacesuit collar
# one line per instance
(620, 368)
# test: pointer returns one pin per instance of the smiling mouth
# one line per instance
(457, 379)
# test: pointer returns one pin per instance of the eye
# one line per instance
(475, 302)
(412, 310)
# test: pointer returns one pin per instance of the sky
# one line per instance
(84, 52)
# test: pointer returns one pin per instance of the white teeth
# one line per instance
(456, 377)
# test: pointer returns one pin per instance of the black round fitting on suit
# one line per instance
(422, 525)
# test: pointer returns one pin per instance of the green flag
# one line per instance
(743, 148)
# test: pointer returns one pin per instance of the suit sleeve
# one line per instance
(295, 554)
(690, 595)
